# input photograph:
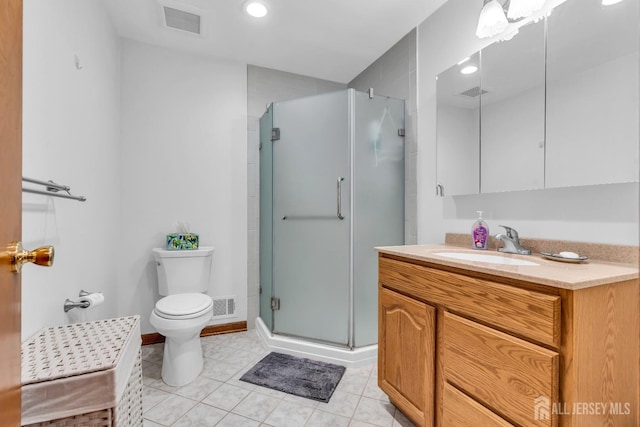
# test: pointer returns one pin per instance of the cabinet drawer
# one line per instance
(523, 312)
(504, 373)
(459, 409)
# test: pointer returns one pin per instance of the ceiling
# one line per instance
(327, 39)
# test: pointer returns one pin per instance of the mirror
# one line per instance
(512, 112)
(458, 128)
(583, 131)
(592, 93)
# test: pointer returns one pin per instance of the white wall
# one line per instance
(603, 213)
(70, 135)
(183, 157)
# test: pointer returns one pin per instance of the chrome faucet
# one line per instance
(511, 242)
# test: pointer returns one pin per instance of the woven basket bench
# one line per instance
(83, 374)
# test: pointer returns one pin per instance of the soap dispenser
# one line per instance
(480, 233)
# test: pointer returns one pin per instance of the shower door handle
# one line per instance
(339, 201)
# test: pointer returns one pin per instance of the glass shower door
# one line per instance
(311, 214)
(378, 201)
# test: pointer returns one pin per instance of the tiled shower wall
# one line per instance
(393, 74)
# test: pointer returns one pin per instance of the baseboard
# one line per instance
(226, 328)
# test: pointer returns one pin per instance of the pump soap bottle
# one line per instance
(480, 233)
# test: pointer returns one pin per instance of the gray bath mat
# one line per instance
(295, 375)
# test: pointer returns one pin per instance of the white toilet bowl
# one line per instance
(181, 318)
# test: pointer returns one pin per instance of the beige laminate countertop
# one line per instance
(551, 273)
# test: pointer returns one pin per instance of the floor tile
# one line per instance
(321, 418)
(218, 397)
(151, 397)
(373, 391)
(400, 420)
(171, 409)
(289, 414)
(200, 388)
(233, 420)
(352, 383)
(341, 403)
(226, 397)
(256, 406)
(218, 370)
(201, 415)
(374, 411)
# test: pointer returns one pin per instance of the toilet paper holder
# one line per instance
(80, 303)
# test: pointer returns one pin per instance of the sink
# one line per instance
(491, 259)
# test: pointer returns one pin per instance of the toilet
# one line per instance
(184, 310)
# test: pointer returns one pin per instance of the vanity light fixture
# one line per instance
(492, 19)
(495, 16)
(256, 8)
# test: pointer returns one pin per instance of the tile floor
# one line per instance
(218, 398)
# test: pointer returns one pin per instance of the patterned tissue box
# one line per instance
(182, 241)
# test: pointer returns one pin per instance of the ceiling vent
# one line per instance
(181, 20)
(473, 92)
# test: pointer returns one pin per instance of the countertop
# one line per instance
(551, 273)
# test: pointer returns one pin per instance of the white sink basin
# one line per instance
(491, 259)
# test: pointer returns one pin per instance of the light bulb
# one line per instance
(492, 20)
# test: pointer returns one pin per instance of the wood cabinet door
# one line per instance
(406, 355)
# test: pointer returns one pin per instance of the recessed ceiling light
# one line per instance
(469, 69)
(256, 8)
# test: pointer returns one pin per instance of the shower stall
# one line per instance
(331, 189)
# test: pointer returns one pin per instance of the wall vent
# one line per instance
(224, 307)
(181, 20)
(473, 92)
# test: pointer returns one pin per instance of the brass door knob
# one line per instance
(16, 256)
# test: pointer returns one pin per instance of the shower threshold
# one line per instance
(355, 358)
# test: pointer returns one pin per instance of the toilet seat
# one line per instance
(183, 306)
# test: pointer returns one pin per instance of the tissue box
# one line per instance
(182, 241)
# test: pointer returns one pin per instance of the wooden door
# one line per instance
(10, 205)
(406, 354)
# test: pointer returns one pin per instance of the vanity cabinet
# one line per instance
(460, 348)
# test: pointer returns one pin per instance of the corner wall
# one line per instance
(70, 135)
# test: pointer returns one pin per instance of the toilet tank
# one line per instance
(183, 271)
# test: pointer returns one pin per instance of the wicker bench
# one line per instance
(83, 374)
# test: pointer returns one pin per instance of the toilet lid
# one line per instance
(183, 304)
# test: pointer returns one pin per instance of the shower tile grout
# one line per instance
(357, 401)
